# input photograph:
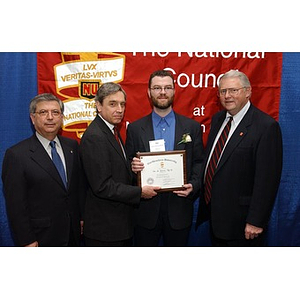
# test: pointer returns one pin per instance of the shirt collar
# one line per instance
(239, 116)
(168, 118)
(110, 126)
(45, 142)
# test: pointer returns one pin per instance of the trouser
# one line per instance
(144, 237)
(96, 243)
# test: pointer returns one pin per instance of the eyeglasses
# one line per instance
(43, 113)
(158, 89)
(231, 91)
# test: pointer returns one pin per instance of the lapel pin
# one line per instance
(71, 151)
(241, 133)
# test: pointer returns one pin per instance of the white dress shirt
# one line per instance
(111, 127)
(236, 119)
(46, 144)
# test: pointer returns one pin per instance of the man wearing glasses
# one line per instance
(42, 180)
(242, 167)
(169, 214)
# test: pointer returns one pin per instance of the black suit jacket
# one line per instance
(180, 209)
(39, 207)
(246, 180)
(111, 196)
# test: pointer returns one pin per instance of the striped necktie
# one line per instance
(58, 162)
(214, 160)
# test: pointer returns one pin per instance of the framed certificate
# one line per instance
(166, 169)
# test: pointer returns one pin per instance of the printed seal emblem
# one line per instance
(78, 78)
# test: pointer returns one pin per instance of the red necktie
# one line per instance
(116, 134)
(213, 163)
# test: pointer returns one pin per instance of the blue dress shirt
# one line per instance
(164, 128)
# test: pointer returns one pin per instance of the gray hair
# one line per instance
(108, 88)
(235, 73)
(44, 97)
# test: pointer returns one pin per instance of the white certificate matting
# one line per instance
(164, 169)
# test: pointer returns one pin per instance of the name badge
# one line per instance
(157, 145)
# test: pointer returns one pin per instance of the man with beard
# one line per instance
(169, 214)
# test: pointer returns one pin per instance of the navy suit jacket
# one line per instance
(246, 180)
(39, 207)
(180, 210)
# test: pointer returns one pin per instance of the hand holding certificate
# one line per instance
(165, 169)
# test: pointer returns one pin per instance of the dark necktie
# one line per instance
(58, 162)
(116, 134)
(213, 163)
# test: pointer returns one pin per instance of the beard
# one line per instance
(162, 105)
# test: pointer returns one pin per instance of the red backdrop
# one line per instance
(75, 77)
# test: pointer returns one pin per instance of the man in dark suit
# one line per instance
(111, 196)
(241, 190)
(43, 208)
(169, 214)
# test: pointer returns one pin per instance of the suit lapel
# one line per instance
(180, 130)
(41, 157)
(112, 140)
(239, 134)
(148, 133)
(213, 133)
(68, 154)
(110, 137)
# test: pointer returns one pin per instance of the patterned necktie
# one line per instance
(116, 134)
(58, 162)
(213, 163)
